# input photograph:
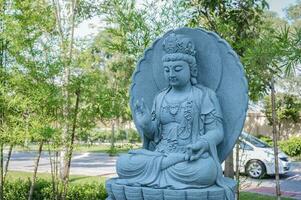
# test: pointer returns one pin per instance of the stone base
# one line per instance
(123, 192)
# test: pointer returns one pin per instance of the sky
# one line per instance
(278, 6)
(90, 27)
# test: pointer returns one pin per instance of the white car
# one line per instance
(256, 158)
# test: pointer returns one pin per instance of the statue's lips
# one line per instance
(173, 80)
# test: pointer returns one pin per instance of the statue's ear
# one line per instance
(194, 71)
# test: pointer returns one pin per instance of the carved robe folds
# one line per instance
(175, 125)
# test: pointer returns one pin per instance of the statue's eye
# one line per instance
(166, 69)
(178, 68)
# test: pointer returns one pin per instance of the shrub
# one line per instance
(121, 135)
(112, 151)
(266, 139)
(134, 136)
(102, 136)
(18, 190)
(86, 191)
(292, 146)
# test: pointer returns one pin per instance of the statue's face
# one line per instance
(177, 73)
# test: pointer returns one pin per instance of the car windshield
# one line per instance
(255, 141)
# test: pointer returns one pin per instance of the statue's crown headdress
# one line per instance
(178, 44)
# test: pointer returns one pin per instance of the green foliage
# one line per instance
(241, 23)
(121, 135)
(105, 136)
(237, 21)
(252, 196)
(294, 14)
(30, 96)
(18, 190)
(128, 32)
(86, 191)
(87, 9)
(266, 44)
(134, 136)
(121, 43)
(102, 136)
(291, 85)
(292, 146)
(112, 151)
(288, 108)
(266, 139)
(274, 54)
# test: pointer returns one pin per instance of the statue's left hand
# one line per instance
(196, 150)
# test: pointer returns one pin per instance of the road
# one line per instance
(100, 164)
(89, 164)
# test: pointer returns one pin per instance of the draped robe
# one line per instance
(203, 121)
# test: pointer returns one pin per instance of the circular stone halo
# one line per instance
(218, 68)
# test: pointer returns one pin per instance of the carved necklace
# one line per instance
(173, 108)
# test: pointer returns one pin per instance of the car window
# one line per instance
(245, 146)
(255, 141)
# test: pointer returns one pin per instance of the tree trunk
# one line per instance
(65, 133)
(67, 58)
(2, 69)
(237, 169)
(281, 132)
(275, 138)
(52, 160)
(7, 161)
(112, 135)
(34, 177)
(67, 172)
(56, 168)
(1, 172)
(229, 169)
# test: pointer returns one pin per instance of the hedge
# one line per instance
(18, 190)
(292, 146)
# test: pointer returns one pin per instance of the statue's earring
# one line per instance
(193, 81)
(193, 73)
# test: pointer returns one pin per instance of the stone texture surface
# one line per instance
(198, 94)
(121, 192)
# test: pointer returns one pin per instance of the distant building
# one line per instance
(258, 124)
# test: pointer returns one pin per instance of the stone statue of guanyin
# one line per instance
(182, 132)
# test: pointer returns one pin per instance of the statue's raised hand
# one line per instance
(142, 114)
(196, 150)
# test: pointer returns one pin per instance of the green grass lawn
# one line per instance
(254, 196)
(14, 175)
(79, 148)
(103, 148)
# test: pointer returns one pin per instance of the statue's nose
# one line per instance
(171, 74)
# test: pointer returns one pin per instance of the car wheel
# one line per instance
(255, 169)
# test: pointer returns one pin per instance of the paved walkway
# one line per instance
(290, 183)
